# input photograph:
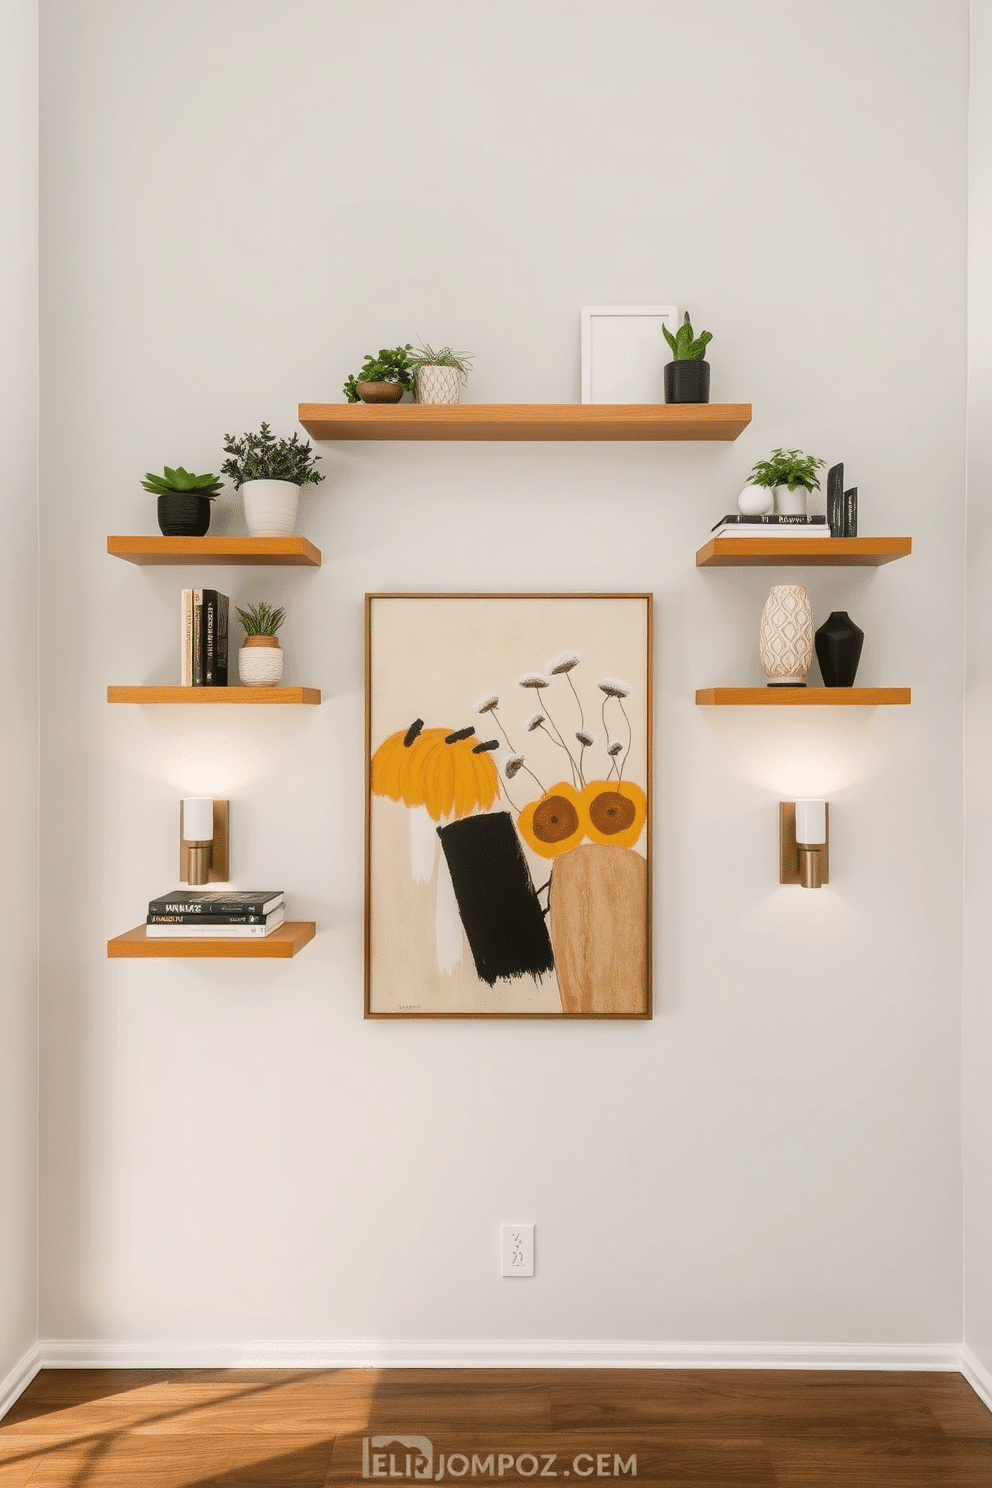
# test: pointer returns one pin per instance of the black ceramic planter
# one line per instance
(687, 382)
(838, 649)
(183, 514)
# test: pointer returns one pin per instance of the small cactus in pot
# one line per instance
(260, 658)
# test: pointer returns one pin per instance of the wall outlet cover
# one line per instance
(516, 1247)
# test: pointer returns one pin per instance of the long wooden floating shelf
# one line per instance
(201, 695)
(522, 421)
(290, 938)
(814, 552)
(288, 552)
(801, 697)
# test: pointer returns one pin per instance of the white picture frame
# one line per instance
(624, 352)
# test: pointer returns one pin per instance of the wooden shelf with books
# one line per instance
(220, 695)
(287, 552)
(284, 942)
(813, 552)
(802, 697)
(525, 421)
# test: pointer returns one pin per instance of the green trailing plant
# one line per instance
(685, 346)
(262, 456)
(426, 356)
(391, 365)
(787, 468)
(182, 482)
(261, 619)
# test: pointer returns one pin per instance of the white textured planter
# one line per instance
(785, 636)
(270, 507)
(437, 384)
(260, 665)
(791, 503)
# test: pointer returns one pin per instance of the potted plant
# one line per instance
(269, 473)
(438, 375)
(183, 500)
(687, 375)
(383, 378)
(260, 658)
(790, 475)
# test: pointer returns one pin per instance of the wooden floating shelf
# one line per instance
(814, 552)
(801, 697)
(202, 695)
(522, 421)
(290, 937)
(288, 552)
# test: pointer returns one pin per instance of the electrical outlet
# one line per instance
(516, 1248)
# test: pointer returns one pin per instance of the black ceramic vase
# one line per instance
(838, 649)
(687, 382)
(183, 514)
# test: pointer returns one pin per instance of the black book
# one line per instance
(851, 512)
(211, 919)
(835, 500)
(736, 519)
(234, 902)
(213, 638)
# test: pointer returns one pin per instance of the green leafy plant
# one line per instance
(787, 468)
(261, 619)
(183, 482)
(426, 356)
(686, 347)
(391, 365)
(262, 456)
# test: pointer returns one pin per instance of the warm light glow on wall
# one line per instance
(795, 768)
(218, 765)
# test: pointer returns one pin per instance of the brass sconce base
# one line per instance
(217, 852)
(807, 866)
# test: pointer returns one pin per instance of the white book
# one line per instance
(794, 529)
(216, 932)
(186, 641)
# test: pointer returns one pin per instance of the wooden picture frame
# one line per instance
(507, 805)
(624, 352)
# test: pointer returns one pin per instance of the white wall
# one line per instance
(228, 1150)
(977, 1033)
(19, 715)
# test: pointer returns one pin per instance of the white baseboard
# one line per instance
(445, 1353)
(977, 1375)
(19, 1378)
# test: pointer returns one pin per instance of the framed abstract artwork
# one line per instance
(624, 352)
(508, 802)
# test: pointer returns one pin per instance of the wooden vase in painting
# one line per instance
(598, 924)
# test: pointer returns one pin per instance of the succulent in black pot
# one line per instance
(183, 500)
(687, 375)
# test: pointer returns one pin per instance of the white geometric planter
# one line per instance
(785, 636)
(270, 507)
(260, 665)
(437, 384)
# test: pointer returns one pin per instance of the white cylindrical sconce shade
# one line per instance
(198, 819)
(811, 822)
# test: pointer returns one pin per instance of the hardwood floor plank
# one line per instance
(960, 1411)
(896, 1463)
(158, 1462)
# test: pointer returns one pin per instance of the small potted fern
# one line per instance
(183, 507)
(438, 375)
(270, 473)
(790, 476)
(260, 658)
(383, 378)
(687, 375)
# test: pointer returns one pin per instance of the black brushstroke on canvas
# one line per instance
(499, 909)
(413, 732)
(465, 733)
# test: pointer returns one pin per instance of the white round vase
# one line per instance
(790, 503)
(756, 501)
(437, 384)
(785, 636)
(270, 507)
(260, 665)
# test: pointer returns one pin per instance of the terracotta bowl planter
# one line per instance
(379, 392)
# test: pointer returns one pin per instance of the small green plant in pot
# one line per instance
(438, 375)
(183, 506)
(383, 378)
(687, 375)
(260, 658)
(789, 475)
(270, 473)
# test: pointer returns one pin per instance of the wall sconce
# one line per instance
(803, 843)
(204, 840)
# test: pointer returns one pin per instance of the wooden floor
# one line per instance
(686, 1428)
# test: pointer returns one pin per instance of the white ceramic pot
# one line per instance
(260, 661)
(791, 503)
(785, 636)
(437, 384)
(270, 507)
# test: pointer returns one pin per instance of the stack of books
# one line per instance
(204, 638)
(735, 525)
(187, 914)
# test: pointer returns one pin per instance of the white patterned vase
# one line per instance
(270, 507)
(260, 662)
(785, 636)
(437, 384)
